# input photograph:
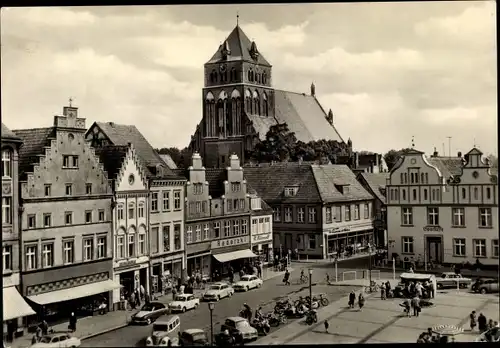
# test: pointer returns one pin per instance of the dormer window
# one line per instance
(343, 189)
(255, 203)
(291, 191)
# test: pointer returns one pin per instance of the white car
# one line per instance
(217, 291)
(184, 302)
(57, 340)
(248, 282)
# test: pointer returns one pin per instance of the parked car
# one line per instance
(450, 279)
(490, 335)
(193, 337)
(248, 282)
(165, 330)
(485, 285)
(184, 302)
(240, 327)
(57, 340)
(149, 313)
(217, 291)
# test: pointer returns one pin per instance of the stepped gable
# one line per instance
(34, 142)
(112, 158)
(377, 183)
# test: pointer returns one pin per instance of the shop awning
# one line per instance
(14, 306)
(74, 293)
(235, 255)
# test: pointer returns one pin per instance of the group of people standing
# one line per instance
(481, 322)
(352, 300)
(136, 296)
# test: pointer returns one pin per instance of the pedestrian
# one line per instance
(174, 292)
(286, 278)
(72, 322)
(382, 293)
(326, 326)
(259, 270)
(416, 306)
(473, 322)
(481, 321)
(38, 333)
(490, 324)
(352, 298)
(361, 301)
(431, 289)
(181, 289)
(142, 291)
(407, 308)
(147, 298)
(138, 297)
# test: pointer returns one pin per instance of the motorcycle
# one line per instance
(315, 303)
(276, 319)
(281, 305)
(262, 326)
(311, 317)
(322, 300)
(245, 314)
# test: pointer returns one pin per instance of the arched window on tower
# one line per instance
(229, 117)
(256, 102)
(248, 101)
(220, 118)
(264, 78)
(233, 75)
(265, 105)
(250, 75)
(213, 76)
(209, 99)
(257, 77)
(235, 113)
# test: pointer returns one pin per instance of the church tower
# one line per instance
(237, 93)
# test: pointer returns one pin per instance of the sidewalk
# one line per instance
(465, 272)
(331, 260)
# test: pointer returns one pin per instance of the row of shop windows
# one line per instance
(232, 228)
(479, 247)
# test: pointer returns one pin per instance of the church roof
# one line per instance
(239, 44)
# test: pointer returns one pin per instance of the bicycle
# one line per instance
(374, 287)
(303, 279)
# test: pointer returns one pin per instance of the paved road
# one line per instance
(200, 318)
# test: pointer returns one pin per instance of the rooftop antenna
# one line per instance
(70, 102)
(449, 146)
(237, 18)
(444, 150)
(412, 141)
(474, 142)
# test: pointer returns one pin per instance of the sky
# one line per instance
(388, 71)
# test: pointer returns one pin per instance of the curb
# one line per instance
(102, 332)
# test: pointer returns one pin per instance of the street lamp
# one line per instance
(310, 289)
(211, 307)
(370, 265)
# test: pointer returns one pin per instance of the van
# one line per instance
(165, 329)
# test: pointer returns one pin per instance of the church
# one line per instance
(240, 105)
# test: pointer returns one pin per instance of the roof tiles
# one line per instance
(448, 166)
(8, 134)
(34, 142)
(377, 183)
(112, 157)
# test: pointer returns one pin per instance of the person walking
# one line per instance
(352, 299)
(361, 301)
(72, 322)
(286, 279)
(407, 308)
(473, 321)
(38, 333)
(382, 292)
(415, 303)
(481, 321)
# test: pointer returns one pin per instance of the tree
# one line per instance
(493, 160)
(392, 157)
(181, 158)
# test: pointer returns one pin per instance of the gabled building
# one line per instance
(261, 227)
(14, 306)
(318, 210)
(217, 217)
(130, 218)
(375, 183)
(240, 104)
(66, 219)
(443, 210)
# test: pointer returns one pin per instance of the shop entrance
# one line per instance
(127, 281)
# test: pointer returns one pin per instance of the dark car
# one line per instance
(485, 285)
(149, 313)
(193, 337)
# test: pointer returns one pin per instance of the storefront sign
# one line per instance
(433, 229)
(126, 264)
(6, 188)
(262, 237)
(229, 242)
(340, 229)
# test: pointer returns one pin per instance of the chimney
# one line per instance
(313, 89)
(196, 161)
(435, 154)
(459, 154)
(356, 160)
(329, 118)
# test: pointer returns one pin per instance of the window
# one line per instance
(101, 247)
(479, 247)
(47, 220)
(312, 215)
(154, 201)
(198, 207)
(433, 216)
(485, 217)
(367, 211)
(88, 216)
(102, 215)
(290, 191)
(236, 227)
(198, 189)
(88, 189)
(356, 211)
(276, 214)
(347, 213)
(47, 255)
(140, 210)
(458, 217)
(412, 178)
(244, 229)
(88, 249)
(229, 205)
(403, 194)
(68, 218)
(328, 214)
(31, 221)
(459, 247)
(227, 228)
(312, 241)
(166, 238)
(75, 162)
(406, 178)
(407, 245)
(189, 234)
(300, 214)
(131, 210)
(142, 243)
(154, 239)
(6, 163)
(70, 161)
(425, 194)
(288, 214)
(338, 214)
(177, 236)
(426, 178)
(464, 193)
(120, 250)
(198, 233)
(68, 251)
(177, 200)
(414, 192)
(47, 190)
(7, 257)
(402, 178)
(69, 189)
(120, 212)
(494, 247)
(31, 257)
(255, 203)
(131, 245)
(476, 193)
(488, 193)
(6, 210)
(242, 203)
(206, 231)
(236, 187)
(166, 200)
(216, 229)
(407, 216)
